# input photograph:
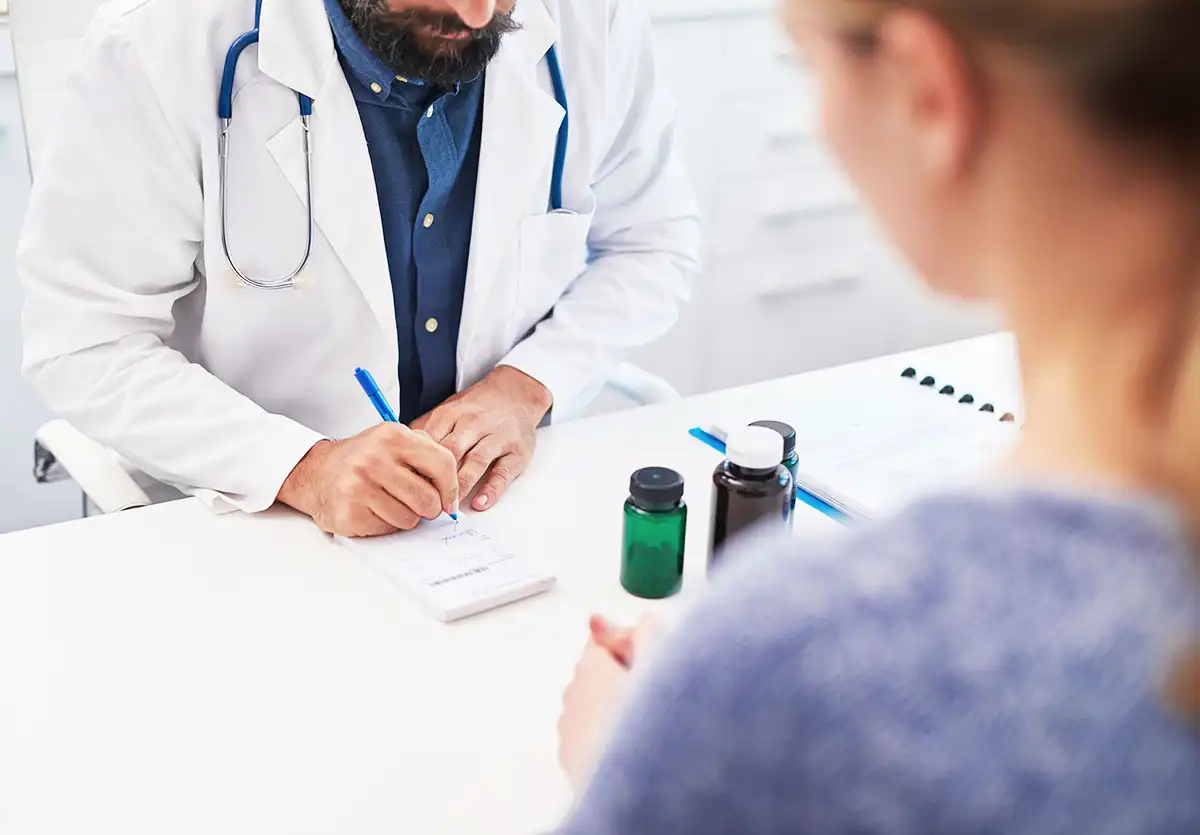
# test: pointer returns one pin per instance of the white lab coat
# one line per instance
(137, 331)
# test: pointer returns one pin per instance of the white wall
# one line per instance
(23, 503)
(796, 276)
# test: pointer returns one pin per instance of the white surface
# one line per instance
(7, 65)
(46, 36)
(688, 9)
(166, 670)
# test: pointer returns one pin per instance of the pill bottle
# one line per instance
(751, 487)
(791, 459)
(655, 534)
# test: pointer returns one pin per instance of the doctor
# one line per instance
(445, 256)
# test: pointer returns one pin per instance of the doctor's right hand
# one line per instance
(383, 480)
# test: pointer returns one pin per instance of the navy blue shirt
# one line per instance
(424, 144)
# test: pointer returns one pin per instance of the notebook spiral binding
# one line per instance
(949, 391)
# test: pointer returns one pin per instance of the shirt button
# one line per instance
(376, 87)
(429, 112)
(402, 79)
(428, 220)
(431, 325)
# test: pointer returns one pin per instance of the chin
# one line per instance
(441, 49)
(958, 284)
(943, 275)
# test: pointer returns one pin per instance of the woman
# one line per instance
(1017, 659)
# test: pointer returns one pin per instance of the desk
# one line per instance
(166, 670)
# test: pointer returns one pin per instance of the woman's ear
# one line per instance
(938, 102)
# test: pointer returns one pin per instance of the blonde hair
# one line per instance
(1131, 69)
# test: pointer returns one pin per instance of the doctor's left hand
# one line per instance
(491, 429)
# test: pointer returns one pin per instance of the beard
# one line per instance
(407, 41)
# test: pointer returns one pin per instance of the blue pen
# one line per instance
(375, 394)
(380, 402)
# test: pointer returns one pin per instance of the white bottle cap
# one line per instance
(755, 448)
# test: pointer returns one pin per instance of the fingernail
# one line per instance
(481, 502)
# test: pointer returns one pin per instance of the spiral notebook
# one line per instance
(867, 450)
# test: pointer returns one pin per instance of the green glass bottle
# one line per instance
(655, 534)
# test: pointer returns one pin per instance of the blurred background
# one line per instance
(795, 276)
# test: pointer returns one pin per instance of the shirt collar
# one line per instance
(366, 67)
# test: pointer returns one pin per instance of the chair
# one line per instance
(46, 38)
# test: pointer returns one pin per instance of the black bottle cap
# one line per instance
(656, 487)
(947, 390)
(967, 398)
(909, 373)
(784, 429)
(929, 381)
(987, 407)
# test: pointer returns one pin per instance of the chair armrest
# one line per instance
(641, 386)
(95, 468)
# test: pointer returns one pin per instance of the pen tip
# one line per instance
(454, 516)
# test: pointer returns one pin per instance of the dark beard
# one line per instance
(391, 36)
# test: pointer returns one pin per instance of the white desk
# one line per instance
(166, 670)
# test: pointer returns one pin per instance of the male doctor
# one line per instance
(436, 261)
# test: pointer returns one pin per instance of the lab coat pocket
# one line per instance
(554, 252)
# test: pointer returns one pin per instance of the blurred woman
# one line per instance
(1020, 658)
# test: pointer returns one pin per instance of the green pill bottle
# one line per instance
(655, 534)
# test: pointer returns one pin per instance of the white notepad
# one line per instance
(453, 568)
(869, 450)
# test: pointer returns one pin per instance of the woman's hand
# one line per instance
(622, 642)
(591, 699)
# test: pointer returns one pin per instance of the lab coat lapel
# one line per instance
(520, 126)
(297, 50)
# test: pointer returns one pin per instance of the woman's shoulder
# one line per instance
(973, 655)
(977, 659)
(972, 557)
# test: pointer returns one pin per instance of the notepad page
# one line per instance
(454, 568)
(867, 451)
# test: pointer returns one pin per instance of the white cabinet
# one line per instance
(22, 502)
(795, 275)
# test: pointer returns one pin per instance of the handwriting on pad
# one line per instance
(455, 569)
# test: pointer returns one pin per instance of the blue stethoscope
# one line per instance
(225, 113)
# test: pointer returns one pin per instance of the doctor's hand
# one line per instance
(383, 480)
(491, 430)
